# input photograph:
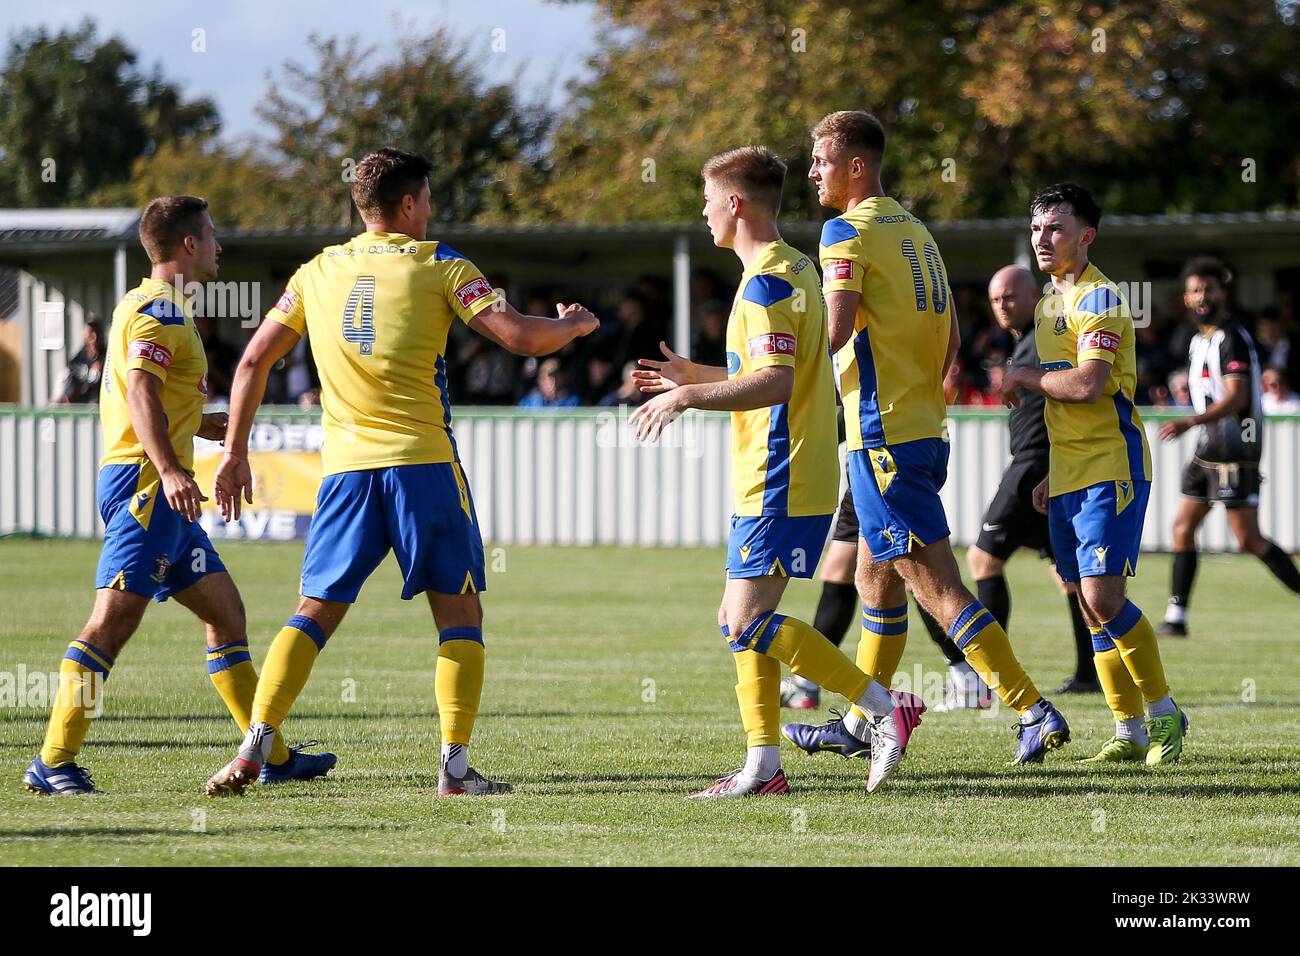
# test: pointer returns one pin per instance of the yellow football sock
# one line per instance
(981, 638)
(458, 682)
(884, 637)
(1122, 695)
(78, 701)
(288, 665)
(807, 652)
(758, 689)
(230, 667)
(1135, 638)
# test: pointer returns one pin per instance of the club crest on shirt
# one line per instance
(1060, 326)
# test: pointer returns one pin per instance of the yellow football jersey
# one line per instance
(153, 329)
(1104, 441)
(891, 371)
(783, 458)
(376, 311)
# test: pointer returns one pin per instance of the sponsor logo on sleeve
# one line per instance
(150, 352)
(771, 343)
(1105, 341)
(288, 299)
(837, 269)
(472, 291)
(1237, 365)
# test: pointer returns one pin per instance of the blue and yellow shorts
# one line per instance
(148, 549)
(896, 495)
(1098, 530)
(422, 512)
(760, 545)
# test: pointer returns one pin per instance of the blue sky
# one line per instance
(247, 38)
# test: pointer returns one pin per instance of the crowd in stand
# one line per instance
(596, 371)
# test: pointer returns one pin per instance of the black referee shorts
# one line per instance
(1011, 520)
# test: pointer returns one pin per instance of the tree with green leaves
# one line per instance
(429, 97)
(244, 188)
(76, 112)
(1157, 105)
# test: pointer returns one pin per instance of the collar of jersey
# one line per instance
(383, 237)
(169, 290)
(770, 260)
(870, 205)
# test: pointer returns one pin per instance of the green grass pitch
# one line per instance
(609, 696)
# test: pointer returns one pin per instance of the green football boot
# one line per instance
(1118, 751)
(1167, 735)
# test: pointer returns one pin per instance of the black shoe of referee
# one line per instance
(1172, 630)
(1075, 685)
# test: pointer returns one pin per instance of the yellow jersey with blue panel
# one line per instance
(148, 548)
(377, 311)
(891, 371)
(784, 464)
(1100, 470)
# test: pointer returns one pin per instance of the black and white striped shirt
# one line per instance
(1228, 350)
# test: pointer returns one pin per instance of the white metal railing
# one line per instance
(577, 477)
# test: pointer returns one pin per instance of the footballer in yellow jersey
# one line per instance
(779, 453)
(1099, 478)
(784, 467)
(377, 311)
(885, 254)
(151, 407)
(894, 331)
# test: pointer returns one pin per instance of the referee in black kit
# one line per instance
(1011, 520)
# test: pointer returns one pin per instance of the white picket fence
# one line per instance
(578, 477)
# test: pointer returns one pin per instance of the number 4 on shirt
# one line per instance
(359, 314)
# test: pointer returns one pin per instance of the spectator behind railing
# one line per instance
(628, 393)
(1180, 395)
(552, 389)
(1278, 399)
(86, 368)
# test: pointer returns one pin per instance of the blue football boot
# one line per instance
(830, 737)
(299, 766)
(1046, 733)
(66, 780)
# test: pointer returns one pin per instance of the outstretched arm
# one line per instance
(678, 370)
(1236, 398)
(533, 334)
(768, 386)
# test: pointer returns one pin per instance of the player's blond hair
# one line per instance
(755, 172)
(854, 130)
(165, 223)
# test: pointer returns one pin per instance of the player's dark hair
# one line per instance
(1080, 201)
(384, 178)
(1207, 267)
(755, 172)
(165, 223)
(854, 130)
